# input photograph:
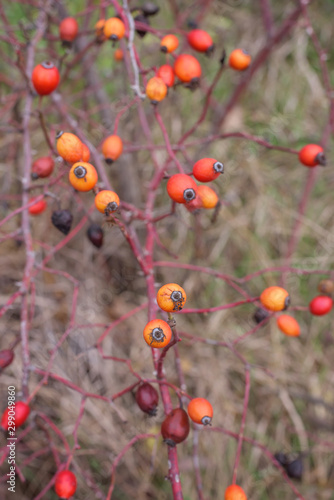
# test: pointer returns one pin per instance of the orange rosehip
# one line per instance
(312, 155)
(112, 148)
(171, 297)
(239, 59)
(166, 73)
(68, 29)
(38, 207)
(235, 492)
(156, 89)
(83, 176)
(187, 69)
(114, 29)
(169, 43)
(275, 298)
(200, 411)
(65, 484)
(288, 325)
(107, 201)
(208, 198)
(207, 169)
(181, 188)
(69, 147)
(85, 153)
(118, 55)
(99, 27)
(42, 167)
(201, 41)
(157, 333)
(45, 78)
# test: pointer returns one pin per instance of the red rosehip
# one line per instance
(21, 410)
(45, 78)
(312, 155)
(320, 305)
(68, 29)
(6, 358)
(38, 207)
(95, 235)
(207, 169)
(166, 73)
(42, 167)
(181, 188)
(175, 427)
(147, 398)
(201, 41)
(65, 484)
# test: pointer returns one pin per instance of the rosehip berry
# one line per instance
(83, 176)
(171, 297)
(201, 41)
(235, 492)
(288, 325)
(320, 305)
(187, 69)
(181, 188)
(99, 27)
(118, 55)
(42, 167)
(45, 78)
(207, 169)
(65, 484)
(114, 29)
(275, 298)
(200, 411)
(166, 73)
(150, 9)
(239, 59)
(140, 18)
(169, 43)
(85, 153)
(207, 196)
(62, 220)
(294, 469)
(175, 428)
(107, 201)
(68, 30)
(326, 287)
(21, 410)
(6, 358)
(312, 155)
(147, 398)
(69, 147)
(157, 333)
(38, 207)
(156, 89)
(260, 315)
(112, 148)
(95, 235)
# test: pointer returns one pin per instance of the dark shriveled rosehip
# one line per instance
(150, 9)
(175, 427)
(147, 398)
(6, 358)
(143, 20)
(95, 235)
(260, 315)
(62, 220)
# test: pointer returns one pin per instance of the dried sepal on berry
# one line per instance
(171, 297)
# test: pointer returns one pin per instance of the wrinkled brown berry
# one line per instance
(95, 235)
(260, 315)
(150, 9)
(62, 220)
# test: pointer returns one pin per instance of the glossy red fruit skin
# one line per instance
(45, 78)
(175, 428)
(200, 40)
(207, 169)
(42, 167)
(22, 411)
(6, 358)
(312, 155)
(321, 305)
(65, 484)
(187, 68)
(38, 207)
(68, 29)
(166, 73)
(147, 398)
(178, 186)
